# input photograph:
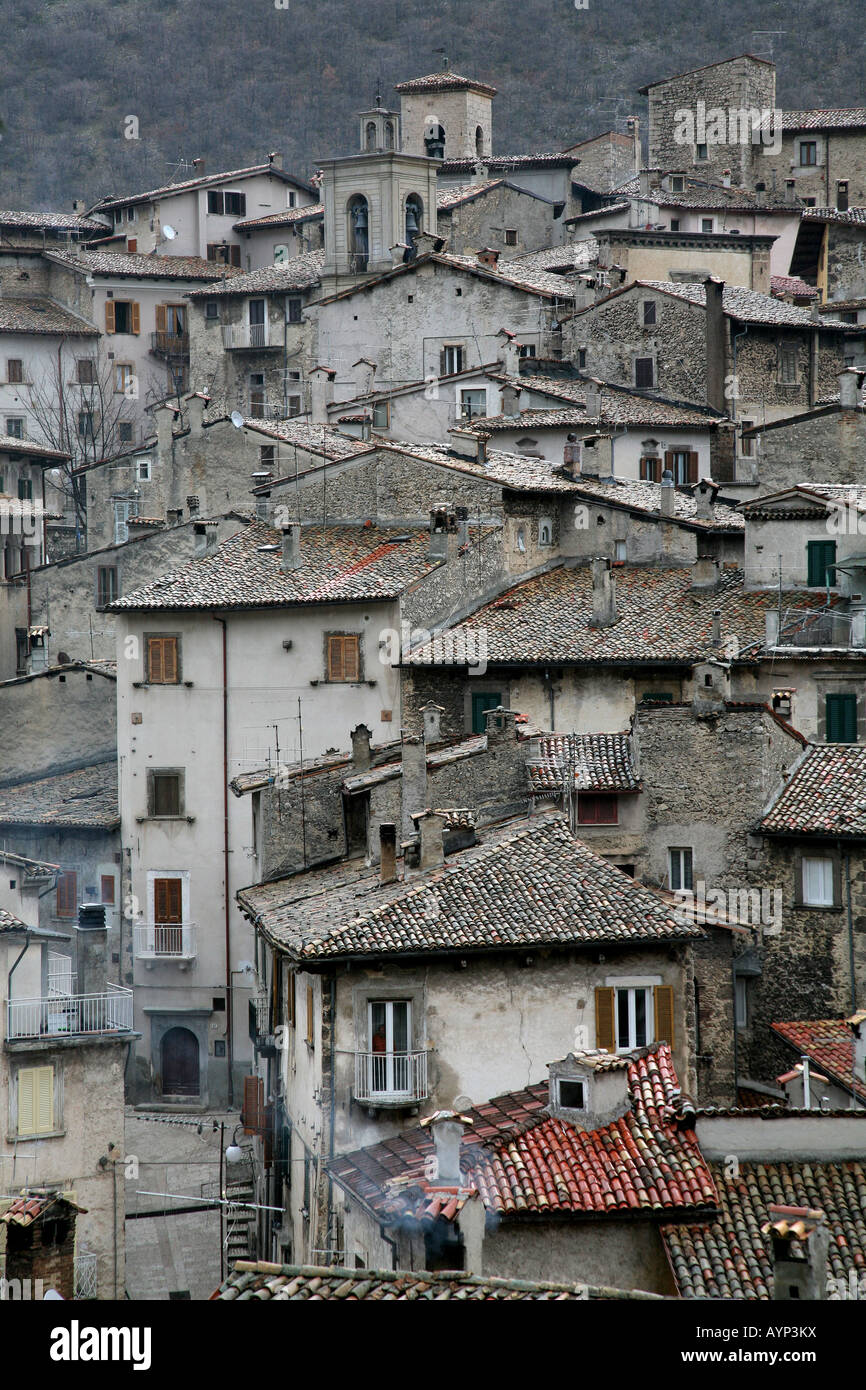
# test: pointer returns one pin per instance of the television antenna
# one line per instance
(769, 35)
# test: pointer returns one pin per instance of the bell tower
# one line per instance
(447, 116)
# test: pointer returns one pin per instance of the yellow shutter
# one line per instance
(109, 316)
(160, 318)
(351, 654)
(664, 1013)
(605, 1035)
(136, 318)
(36, 1100)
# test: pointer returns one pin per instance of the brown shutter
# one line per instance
(351, 654)
(693, 467)
(109, 316)
(160, 318)
(169, 660)
(335, 658)
(136, 318)
(154, 660)
(167, 901)
(442, 371)
(290, 1000)
(669, 464)
(605, 1035)
(67, 893)
(253, 1104)
(663, 997)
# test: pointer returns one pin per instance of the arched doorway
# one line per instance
(180, 1063)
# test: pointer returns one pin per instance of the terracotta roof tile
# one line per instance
(829, 1043)
(287, 218)
(84, 797)
(299, 273)
(825, 794)
(141, 266)
(42, 316)
(601, 762)
(299, 1283)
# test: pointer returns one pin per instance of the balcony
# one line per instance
(249, 336)
(71, 1015)
(170, 345)
(816, 627)
(166, 941)
(390, 1078)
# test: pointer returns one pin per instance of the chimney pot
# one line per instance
(431, 827)
(361, 746)
(387, 852)
(666, 501)
(291, 553)
(432, 718)
(446, 1129)
(849, 388)
(603, 593)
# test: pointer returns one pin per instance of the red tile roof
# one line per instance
(828, 1042)
(825, 794)
(445, 81)
(280, 1283)
(521, 1160)
(601, 762)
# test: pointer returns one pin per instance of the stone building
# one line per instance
(829, 255)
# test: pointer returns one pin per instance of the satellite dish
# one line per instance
(462, 1103)
(237, 419)
(168, 232)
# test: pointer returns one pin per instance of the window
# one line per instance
(67, 894)
(682, 464)
(106, 585)
(86, 428)
(644, 372)
(358, 242)
(596, 809)
(817, 882)
(15, 427)
(106, 889)
(223, 204)
(620, 552)
(124, 376)
(211, 309)
(344, 657)
(142, 470)
(675, 224)
(163, 660)
(36, 1108)
(788, 366)
(122, 316)
(700, 152)
(473, 403)
(510, 236)
(294, 406)
(808, 153)
(741, 1001)
(571, 1095)
(14, 370)
(482, 701)
(390, 1031)
(25, 490)
(125, 432)
(294, 310)
(649, 312)
(450, 360)
(581, 358)
(257, 395)
(820, 559)
(747, 444)
(167, 916)
(370, 134)
(707, 224)
(679, 865)
(545, 531)
(223, 254)
(84, 371)
(841, 718)
(678, 183)
(382, 415)
(164, 793)
(634, 1026)
(526, 350)
(258, 323)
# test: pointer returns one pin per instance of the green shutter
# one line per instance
(841, 713)
(821, 556)
(482, 701)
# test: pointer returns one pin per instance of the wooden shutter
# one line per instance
(253, 1104)
(36, 1100)
(136, 318)
(443, 371)
(663, 998)
(290, 999)
(693, 466)
(107, 888)
(168, 900)
(344, 658)
(131, 245)
(161, 318)
(162, 660)
(669, 464)
(605, 1033)
(67, 893)
(335, 658)
(109, 316)
(351, 658)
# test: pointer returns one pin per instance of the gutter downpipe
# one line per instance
(850, 930)
(228, 966)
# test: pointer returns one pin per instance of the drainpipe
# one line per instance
(734, 1020)
(228, 966)
(850, 931)
(18, 960)
(333, 1107)
(736, 336)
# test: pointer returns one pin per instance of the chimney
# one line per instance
(633, 125)
(413, 782)
(387, 852)
(510, 400)
(603, 593)
(726, 178)
(79, 206)
(432, 718)
(800, 1244)
(589, 457)
(717, 627)
(91, 949)
(275, 159)
(432, 830)
(462, 514)
(488, 256)
(438, 534)
(643, 182)
(199, 166)
(849, 388)
(361, 747)
(771, 628)
(200, 533)
(842, 195)
(592, 402)
(666, 498)
(291, 550)
(705, 572)
(364, 371)
(481, 449)
(857, 1024)
(446, 1131)
(263, 506)
(321, 394)
(715, 343)
(704, 493)
(510, 357)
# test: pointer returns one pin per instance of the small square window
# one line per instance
(165, 793)
(106, 585)
(707, 224)
(163, 660)
(510, 236)
(700, 152)
(15, 427)
(808, 153)
(14, 370)
(649, 312)
(680, 869)
(211, 309)
(344, 657)
(382, 415)
(675, 224)
(572, 1094)
(125, 432)
(817, 882)
(644, 372)
(294, 307)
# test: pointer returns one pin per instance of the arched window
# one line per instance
(412, 224)
(434, 139)
(389, 135)
(479, 142)
(371, 135)
(358, 213)
(180, 1063)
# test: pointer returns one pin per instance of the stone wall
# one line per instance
(741, 82)
(55, 720)
(471, 226)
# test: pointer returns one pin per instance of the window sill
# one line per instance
(161, 685)
(28, 1138)
(818, 907)
(143, 820)
(349, 683)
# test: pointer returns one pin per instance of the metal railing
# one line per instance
(390, 1078)
(819, 627)
(86, 1269)
(71, 1015)
(170, 344)
(246, 335)
(165, 941)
